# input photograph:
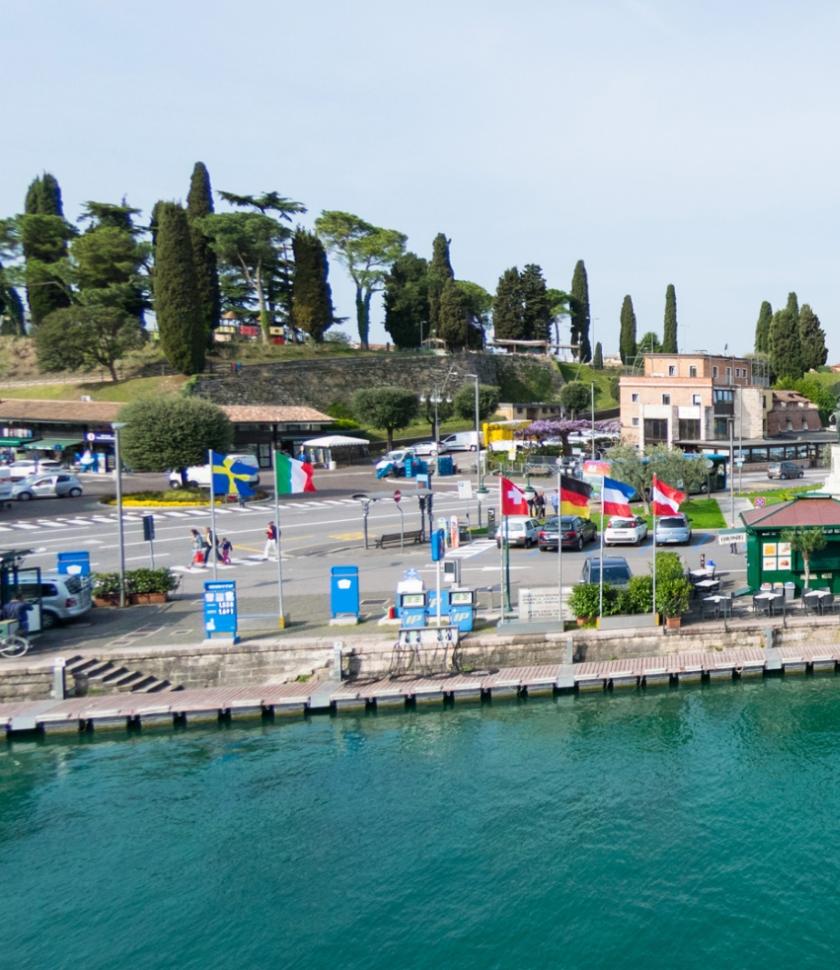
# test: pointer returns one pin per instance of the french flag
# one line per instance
(615, 497)
(665, 499)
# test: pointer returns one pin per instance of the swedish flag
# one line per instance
(230, 475)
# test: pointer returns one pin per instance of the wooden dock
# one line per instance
(123, 712)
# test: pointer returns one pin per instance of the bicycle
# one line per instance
(12, 643)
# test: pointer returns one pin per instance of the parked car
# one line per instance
(461, 441)
(577, 532)
(520, 530)
(47, 486)
(63, 597)
(429, 449)
(784, 469)
(674, 530)
(395, 459)
(199, 476)
(616, 570)
(621, 530)
(33, 466)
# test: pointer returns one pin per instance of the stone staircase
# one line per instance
(103, 676)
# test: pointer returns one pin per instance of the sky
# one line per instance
(693, 143)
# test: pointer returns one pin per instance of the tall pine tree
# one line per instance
(598, 357)
(762, 328)
(669, 331)
(440, 270)
(199, 205)
(44, 236)
(811, 339)
(454, 316)
(179, 319)
(579, 307)
(312, 308)
(535, 303)
(627, 334)
(406, 301)
(508, 308)
(793, 305)
(784, 347)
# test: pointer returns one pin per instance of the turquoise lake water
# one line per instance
(685, 828)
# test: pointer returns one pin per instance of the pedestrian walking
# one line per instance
(226, 548)
(198, 557)
(270, 551)
(540, 504)
(211, 544)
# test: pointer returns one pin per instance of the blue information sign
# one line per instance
(220, 615)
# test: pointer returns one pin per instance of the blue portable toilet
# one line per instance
(344, 591)
(73, 563)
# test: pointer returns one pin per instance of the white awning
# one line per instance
(335, 441)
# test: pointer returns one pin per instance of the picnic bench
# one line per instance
(410, 535)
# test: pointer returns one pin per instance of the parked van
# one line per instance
(461, 441)
(199, 476)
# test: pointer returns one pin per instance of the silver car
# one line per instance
(47, 486)
(674, 530)
(63, 597)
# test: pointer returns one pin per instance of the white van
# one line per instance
(461, 441)
(199, 476)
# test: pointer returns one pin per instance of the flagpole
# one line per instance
(214, 545)
(282, 619)
(653, 512)
(502, 540)
(559, 550)
(601, 557)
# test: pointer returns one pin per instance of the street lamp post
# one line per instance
(592, 411)
(117, 427)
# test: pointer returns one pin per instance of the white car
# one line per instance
(621, 530)
(519, 530)
(199, 476)
(429, 449)
(33, 466)
(394, 458)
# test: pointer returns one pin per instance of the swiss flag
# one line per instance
(513, 498)
(666, 499)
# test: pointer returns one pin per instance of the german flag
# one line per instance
(574, 496)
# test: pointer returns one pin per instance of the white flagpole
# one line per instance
(502, 540)
(215, 543)
(653, 512)
(601, 557)
(559, 548)
(281, 615)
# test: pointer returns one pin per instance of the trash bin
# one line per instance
(790, 591)
(445, 465)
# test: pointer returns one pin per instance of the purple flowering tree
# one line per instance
(562, 428)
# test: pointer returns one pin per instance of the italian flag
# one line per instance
(291, 475)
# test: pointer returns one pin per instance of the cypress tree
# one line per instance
(312, 308)
(454, 316)
(579, 307)
(440, 270)
(598, 357)
(406, 301)
(762, 328)
(793, 305)
(785, 350)
(811, 339)
(535, 303)
(199, 205)
(627, 335)
(179, 319)
(669, 331)
(44, 235)
(508, 307)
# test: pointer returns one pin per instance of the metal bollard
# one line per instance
(338, 648)
(59, 683)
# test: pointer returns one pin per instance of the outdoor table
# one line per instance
(708, 585)
(771, 599)
(722, 603)
(819, 598)
(696, 575)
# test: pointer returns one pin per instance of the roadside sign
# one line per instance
(220, 613)
(760, 502)
(727, 538)
(90, 436)
(465, 489)
(397, 495)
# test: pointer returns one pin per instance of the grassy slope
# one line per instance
(604, 397)
(128, 390)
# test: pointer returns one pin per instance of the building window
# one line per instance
(634, 398)
(689, 429)
(656, 431)
(696, 400)
(714, 372)
(721, 428)
(635, 422)
(666, 398)
(672, 370)
(728, 375)
(692, 371)
(721, 395)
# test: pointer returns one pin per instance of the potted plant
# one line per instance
(106, 589)
(584, 601)
(673, 596)
(151, 585)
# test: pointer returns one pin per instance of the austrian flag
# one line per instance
(512, 498)
(665, 499)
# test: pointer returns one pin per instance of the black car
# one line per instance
(577, 532)
(616, 570)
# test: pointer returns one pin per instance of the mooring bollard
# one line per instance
(59, 683)
(338, 648)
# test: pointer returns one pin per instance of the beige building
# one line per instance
(693, 398)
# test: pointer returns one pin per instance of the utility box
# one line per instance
(344, 591)
(452, 571)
